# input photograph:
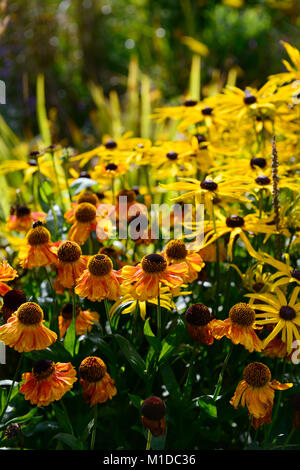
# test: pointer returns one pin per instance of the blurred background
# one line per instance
(99, 57)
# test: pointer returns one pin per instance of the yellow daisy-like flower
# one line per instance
(25, 331)
(256, 391)
(47, 382)
(97, 384)
(278, 311)
(285, 272)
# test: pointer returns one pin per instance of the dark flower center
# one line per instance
(153, 408)
(88, 197)
(207, 111)
(176, 249)
(258, 161)
(263, 180)
(258, 286)
(68, 252)
(100, 265)
(43, 369)
(67, 311)
(209, 185)
(13, 299)
(242, 314)
(85, 212)
(30, 313)
(189, 103)
(154, 263)
(92, 369)
(249, 98)
(296, 274)
(257, 374)
(111, 167)
(38, 235)
(110, 144)
(22, 211)
(172, 155)
(235, 221)
(198, 314)
(287, 313)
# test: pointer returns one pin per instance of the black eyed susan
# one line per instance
(154, 415)
(239, 327)
(278, 311)
(25, 330)
(256, 391)
(84, 321)
(153, 270)
(97, 384)
(199, 323)
(176, 253)
(99, 281)
(286, 273)
(85, 222)
(47, 382)
(7, 273)
(38, 250)
(71, 263)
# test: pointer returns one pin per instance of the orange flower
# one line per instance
(22, 219)
(99, 281)
(24, 330)
(177, 253)
(84, 321)
(256, 392)
(239, 327)
(71, 263)
(47, 382)
(84, 196)
(85, 222)
(7, 273)
(97, 384)
(199, 321)
(146, 277)
(39, 250)
(153, 415)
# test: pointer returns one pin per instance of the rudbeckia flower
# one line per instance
(47, 382)
(39, 250)
(256, 391)
(71, 263)
(239, 327)
(7, 273)
(99, 281)
(85, 222)
(177, 253)
(84, 321)
(97, 384)
(22, 218)
(278, 311)
(285, 272)
(25, 329)
(200, 323)
(236, 225)
(209, 189)
(153, 270)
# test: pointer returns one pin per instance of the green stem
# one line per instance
(158, 316)
(67, 416)
(94, 427)
(106, 304)
(288, 438)
(217, 262)
(149, 438)
(74, 317)
(18, 368)
(187, 388)
(221, 376)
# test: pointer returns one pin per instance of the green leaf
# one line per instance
(43, 122)
(3, 399)
(132, 356)
(150, 337)
(61, 418)
(70, 338)
(21, 419)
(82, 183)
(208, 405)
(70, 440)
(136, 401)
(170, 380)
(170, 343)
